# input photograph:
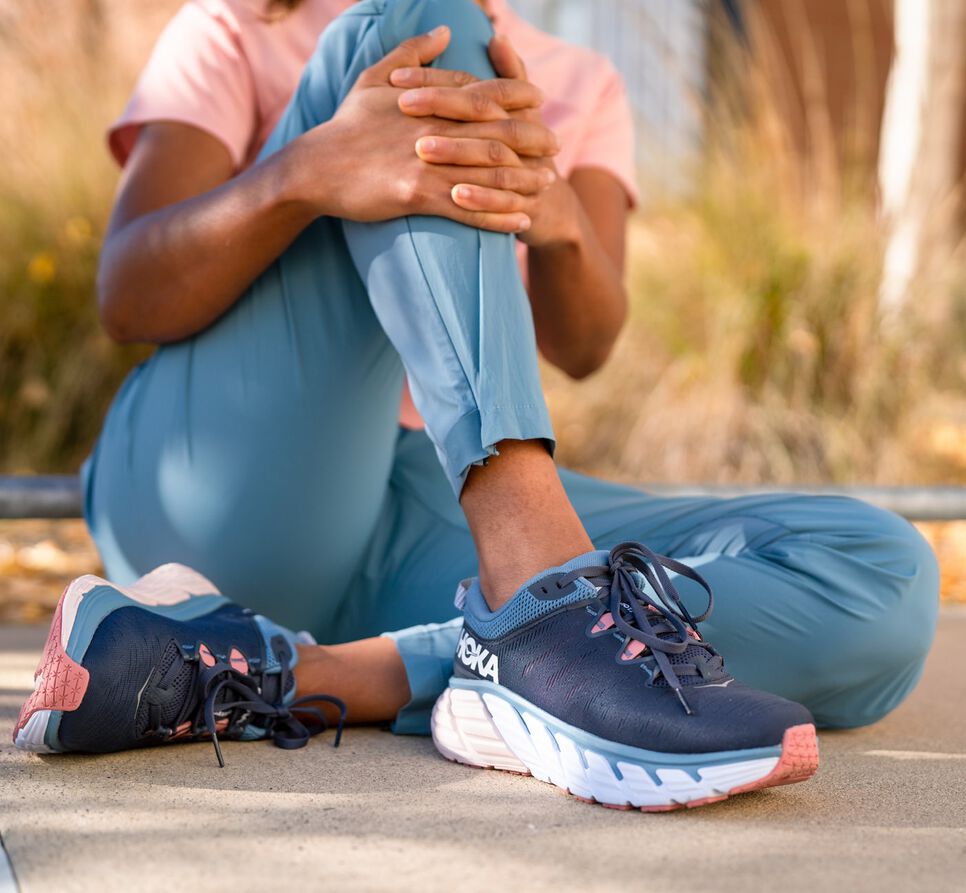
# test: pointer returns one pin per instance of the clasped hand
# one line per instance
(474, 151)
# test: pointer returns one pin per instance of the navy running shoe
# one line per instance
(166, 659)
(593, 677)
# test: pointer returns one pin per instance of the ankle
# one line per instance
(501, 583)
(521, 519)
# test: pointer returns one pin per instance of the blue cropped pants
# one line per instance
(266, 453)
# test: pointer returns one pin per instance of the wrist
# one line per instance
(558, 225)
(305, 184)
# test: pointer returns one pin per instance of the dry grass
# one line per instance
(756, 350)
(72, 66)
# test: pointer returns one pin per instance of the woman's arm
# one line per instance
(186, 239)
(576, 275)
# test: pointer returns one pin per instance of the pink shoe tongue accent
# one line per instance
(604, 622)
(61, 682)
(633, 650)
(238, 661)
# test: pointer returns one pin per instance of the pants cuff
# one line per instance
(473, 439)
(427, 653)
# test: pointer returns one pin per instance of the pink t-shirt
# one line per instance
(227, 68)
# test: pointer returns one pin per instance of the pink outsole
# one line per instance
(798, 762)
(63, 682)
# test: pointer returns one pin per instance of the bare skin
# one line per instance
(186, 241)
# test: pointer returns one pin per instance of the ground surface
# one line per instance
(886, 811)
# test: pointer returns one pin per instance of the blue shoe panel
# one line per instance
(97, 604)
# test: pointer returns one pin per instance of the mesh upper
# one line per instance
(524, 607)
(181, 685)
(693, 654)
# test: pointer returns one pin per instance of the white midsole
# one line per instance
(482, 729)
(31, 736)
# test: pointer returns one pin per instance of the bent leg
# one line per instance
(449, 297)
(824, 600)
(451, 300)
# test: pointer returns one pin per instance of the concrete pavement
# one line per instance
(887, 811)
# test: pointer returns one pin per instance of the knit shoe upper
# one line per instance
(142, 669)
(604, 644)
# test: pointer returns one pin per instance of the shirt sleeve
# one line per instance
(608, 142)
(197, 75)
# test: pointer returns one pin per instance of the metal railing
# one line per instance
(59, 496)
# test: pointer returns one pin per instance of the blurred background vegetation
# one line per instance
(757, 351)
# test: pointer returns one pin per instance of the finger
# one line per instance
(521, 180)
(494, 201)
(513, 222)
(497, 223)
(525, 138)
(511, 94)
(506, 62)
(469, 152)
(430, 77)
(411, 53)
(453, 103)
(457, 103)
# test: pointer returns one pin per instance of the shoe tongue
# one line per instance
(693, 654)
(279, 638)
(167, 693)
(595, 558)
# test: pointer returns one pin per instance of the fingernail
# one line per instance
(410, 98)
(401, 76)
(426, 144)
(524, 225)
(464, 192)
(548, 176)
(441, 29)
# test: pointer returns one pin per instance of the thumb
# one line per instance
(411, 53)
(505, 60)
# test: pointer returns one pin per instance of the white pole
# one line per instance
(901, 147)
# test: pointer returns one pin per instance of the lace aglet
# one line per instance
(221, 759)
(341, 726)
(684, 703)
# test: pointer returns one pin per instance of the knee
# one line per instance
(469, 27)
(899, 560)
(889, 593)
(366, 32)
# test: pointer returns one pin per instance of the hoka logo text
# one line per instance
(474, 656)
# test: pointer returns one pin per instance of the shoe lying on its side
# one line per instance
(166, 659)
(593, 677)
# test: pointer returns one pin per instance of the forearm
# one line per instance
(171, 273)
(576, 291)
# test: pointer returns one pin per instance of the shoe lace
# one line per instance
(655, 617)
(222, 691)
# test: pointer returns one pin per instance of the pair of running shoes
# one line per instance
(593, 677)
